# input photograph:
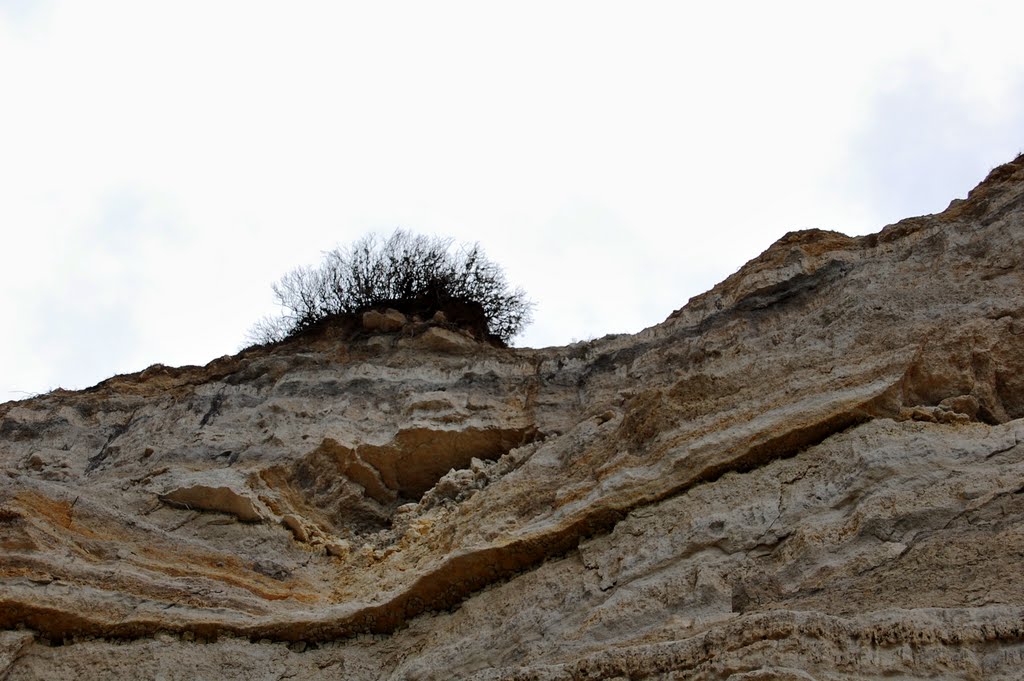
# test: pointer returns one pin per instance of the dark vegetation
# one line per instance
(414, 274)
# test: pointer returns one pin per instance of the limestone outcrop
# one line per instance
(813, 471)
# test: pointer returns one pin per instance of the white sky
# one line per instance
(162, 163)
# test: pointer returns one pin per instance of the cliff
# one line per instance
(813, 471)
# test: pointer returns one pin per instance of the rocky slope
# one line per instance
(813, 471)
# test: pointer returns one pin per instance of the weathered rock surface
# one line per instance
(387, 320)
(813, 471)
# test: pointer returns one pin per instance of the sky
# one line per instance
(163, 163)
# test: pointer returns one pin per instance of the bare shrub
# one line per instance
(412, 273)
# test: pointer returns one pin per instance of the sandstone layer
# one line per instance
(813, 471)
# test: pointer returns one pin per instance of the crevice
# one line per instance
(214, 411)
(793, 287)
(1004, 449)
(97, 459)
(786, 445)
(346, 491)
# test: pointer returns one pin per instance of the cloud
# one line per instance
(928, 138)
(86, 312)
(22, 14)
(165, 162)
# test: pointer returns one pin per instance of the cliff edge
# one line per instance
(813, 471)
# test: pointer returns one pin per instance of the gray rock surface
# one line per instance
(813, 471)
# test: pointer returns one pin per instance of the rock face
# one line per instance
(813, 471)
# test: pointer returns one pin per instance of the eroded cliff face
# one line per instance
(813, 471)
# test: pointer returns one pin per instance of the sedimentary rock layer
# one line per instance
(813, 471)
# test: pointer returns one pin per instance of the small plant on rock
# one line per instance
(417, 275)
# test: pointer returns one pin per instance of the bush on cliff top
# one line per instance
(411, 273)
